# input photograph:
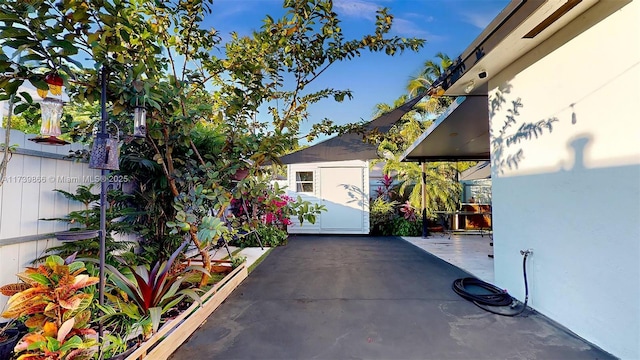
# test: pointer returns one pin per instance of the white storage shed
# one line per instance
(341, 186)
(336, 174)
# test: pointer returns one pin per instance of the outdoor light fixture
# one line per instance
(470, 85)
(140, 121)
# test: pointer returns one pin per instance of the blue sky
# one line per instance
(448, 26)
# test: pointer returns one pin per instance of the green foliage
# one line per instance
(89, 218)
(113, 345)
(404, 227)
(388, 216)
(431, 72)
(381, 214)
(154, 291)
(268, 203)
(385, 219)
(27, 121)
(272, 236)
(56, 308)
(305, 210)
(237, 261)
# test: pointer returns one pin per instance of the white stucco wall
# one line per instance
(343, 188)
(572, 194)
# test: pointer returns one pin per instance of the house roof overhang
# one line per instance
(462, 132)
(520, 27)
(350, 146)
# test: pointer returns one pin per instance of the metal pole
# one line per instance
(7, 134)
(425, 228)
(103, 195)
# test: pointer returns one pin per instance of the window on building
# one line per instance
(304, 181)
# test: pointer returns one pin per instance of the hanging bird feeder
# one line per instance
(105, 153)
(140, 121)
(51, 110)
(51, 114)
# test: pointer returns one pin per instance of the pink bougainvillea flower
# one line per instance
(269, 218)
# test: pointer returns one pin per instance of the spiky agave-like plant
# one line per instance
(154, 291)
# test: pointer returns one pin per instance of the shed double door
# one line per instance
(342, 192)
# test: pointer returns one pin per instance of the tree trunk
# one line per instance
(168, 169)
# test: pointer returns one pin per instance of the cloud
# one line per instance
(225, 8)
(419, 17)
(356, 8)
(477, 19)
(408, 28)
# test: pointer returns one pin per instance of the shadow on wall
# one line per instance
(580, 144)
(507, 143)
(507, 138)
(355, 194)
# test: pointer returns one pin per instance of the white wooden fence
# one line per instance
(27, 195)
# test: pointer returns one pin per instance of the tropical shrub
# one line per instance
(89, 218)
(272, 236)
(387, 217)
(237, 261)
(405, 227)
(385, 190)
(259, 202)
(56, 310)
(152, 292)
(381, 214)
(408, 211)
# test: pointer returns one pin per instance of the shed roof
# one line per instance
(481, 170)
(350, 146)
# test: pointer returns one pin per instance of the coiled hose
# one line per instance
(492, 298)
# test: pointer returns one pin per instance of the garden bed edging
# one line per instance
(172, 334)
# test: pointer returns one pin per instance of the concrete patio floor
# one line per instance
(466, 251)
(341, 297)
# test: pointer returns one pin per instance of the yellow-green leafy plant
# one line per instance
(56, 310)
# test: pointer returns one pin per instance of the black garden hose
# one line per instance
(492, 298)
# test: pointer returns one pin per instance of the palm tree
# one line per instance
(410, 126)
(422, 83)
(442, 189)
